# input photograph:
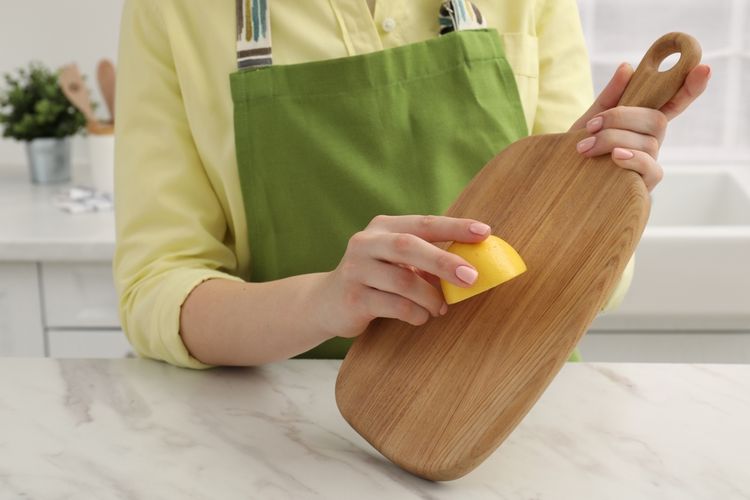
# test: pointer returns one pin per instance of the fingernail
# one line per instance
(479, 228)
(467, 274)
(622, 154)
(444, 309)
(594, 124)
(586, 144)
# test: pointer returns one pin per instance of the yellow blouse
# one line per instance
(179, 211)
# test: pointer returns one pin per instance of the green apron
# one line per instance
(323, 147)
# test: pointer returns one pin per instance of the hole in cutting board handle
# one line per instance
(669, 62)
(652, 87)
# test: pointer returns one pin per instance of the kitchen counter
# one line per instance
(32, 228)
(133, 428)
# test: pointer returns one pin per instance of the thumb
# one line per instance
(609, 97)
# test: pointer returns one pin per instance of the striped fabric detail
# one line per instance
(254, 28)
(459, 15)
(253, 34)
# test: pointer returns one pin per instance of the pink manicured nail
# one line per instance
(467, 274)
(479, 228)
(443, 309)
(586, 144)
(622, 154)
(594, 124)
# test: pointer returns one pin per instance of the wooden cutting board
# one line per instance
(438, 399)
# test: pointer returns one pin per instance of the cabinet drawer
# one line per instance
(88, 344)
(21, 332)
(79, 295)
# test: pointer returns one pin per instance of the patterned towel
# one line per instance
(460, 15)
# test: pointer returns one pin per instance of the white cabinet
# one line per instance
(79, 295)
(80, 311)
(88, 344)
(62, 310)
(21, 329)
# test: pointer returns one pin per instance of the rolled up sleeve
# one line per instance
(170, 225)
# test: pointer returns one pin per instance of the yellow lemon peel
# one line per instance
(494, 259)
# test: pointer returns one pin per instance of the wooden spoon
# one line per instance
(105, 73)
(74, 88)
(438, 399)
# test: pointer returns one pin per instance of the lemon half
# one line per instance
(494, 259)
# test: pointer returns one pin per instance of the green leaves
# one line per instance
(32, 105)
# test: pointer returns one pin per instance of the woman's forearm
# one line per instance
(231, 323)
(225, 322)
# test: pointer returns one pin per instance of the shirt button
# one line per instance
(389, 24)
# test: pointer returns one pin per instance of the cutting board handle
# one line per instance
(651, 88)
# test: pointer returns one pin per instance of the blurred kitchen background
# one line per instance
(690, 299)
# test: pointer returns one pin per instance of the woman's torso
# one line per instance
(202, 41)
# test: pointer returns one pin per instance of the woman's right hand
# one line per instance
(391, 269)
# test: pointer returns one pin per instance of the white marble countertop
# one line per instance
(140, 429)
(32, 228)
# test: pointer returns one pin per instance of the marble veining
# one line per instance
(137, 429)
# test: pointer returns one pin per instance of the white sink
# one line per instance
(692, 268)
(698, 198)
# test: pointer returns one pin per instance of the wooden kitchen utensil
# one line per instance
(438, 399)
(105, 73)
(74, 88)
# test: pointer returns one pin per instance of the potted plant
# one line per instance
(34, 109)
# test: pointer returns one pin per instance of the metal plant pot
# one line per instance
(49, 160)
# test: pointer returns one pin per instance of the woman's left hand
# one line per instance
(634, 135)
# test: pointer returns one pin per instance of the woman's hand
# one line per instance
(634, 135)
(391, 269)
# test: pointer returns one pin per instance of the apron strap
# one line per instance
(254, 28)
(253, 34)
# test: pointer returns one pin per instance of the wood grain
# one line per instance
(438, 399)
